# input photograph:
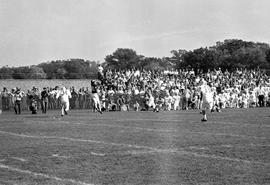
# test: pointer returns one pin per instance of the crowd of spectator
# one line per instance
(172, 90)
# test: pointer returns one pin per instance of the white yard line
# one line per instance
(60, 156)
(222, 158)
(181, 122)
(199, 148)
(42, 175)
(74, 139)
(164, 130)
(208, 147)
(19, 159)
(183, 152)
(152, 149)
(225, 134)
(239, 124)
(241, 146)
(185, 122)
(98, 154)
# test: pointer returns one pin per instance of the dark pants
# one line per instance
(185, 103)
(72, 102)
(261, 100)
(17, 107)
(81, 102)
(44, 106)
(1, 104)
(5, 103)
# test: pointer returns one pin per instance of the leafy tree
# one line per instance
(228, 54)
(123, 58)
(36, 73)
(151, 63)
(21, 72)
(201, 58)
(178, 58)
(268, 56)
(6, 73)
(76, 69)
(60, 73)
(241, 54)
(50, 68)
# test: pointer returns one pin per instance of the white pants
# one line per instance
(168, 106)
(175, 105)
(151, 103)
(65, 106)
(96, 101)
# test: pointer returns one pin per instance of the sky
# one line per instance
(36, 31)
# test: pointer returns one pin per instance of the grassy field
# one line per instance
(85, 148)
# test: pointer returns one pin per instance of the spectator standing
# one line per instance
(5, 99)
(100, 73)
(81, 95)
(44, 100)
(260, 94)
(73, 98)
(18, 98)
(0, 103)
(186, 98)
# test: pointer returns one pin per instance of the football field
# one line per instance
(126, 148)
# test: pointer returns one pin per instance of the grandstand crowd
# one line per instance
(134, 89)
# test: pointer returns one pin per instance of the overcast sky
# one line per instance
(35, 31)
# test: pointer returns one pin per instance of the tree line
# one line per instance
(229, 54)
(59, 69)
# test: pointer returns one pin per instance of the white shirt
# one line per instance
(207, 93)
(64, 95)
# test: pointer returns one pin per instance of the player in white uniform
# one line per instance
(150, 99)
(207, 99)
(64, 95)
(216, 102)
(95, 97)
(168, 101)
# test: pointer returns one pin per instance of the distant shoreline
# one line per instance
(27, 84)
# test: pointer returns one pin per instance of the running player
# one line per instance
(150, 100)
(64, 95)
(95, 97)
(207, 98)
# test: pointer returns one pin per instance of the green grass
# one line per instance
(233, 147)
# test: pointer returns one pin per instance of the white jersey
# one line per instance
(64, 95)
(207, 94)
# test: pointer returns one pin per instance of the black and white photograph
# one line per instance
(134, 92)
